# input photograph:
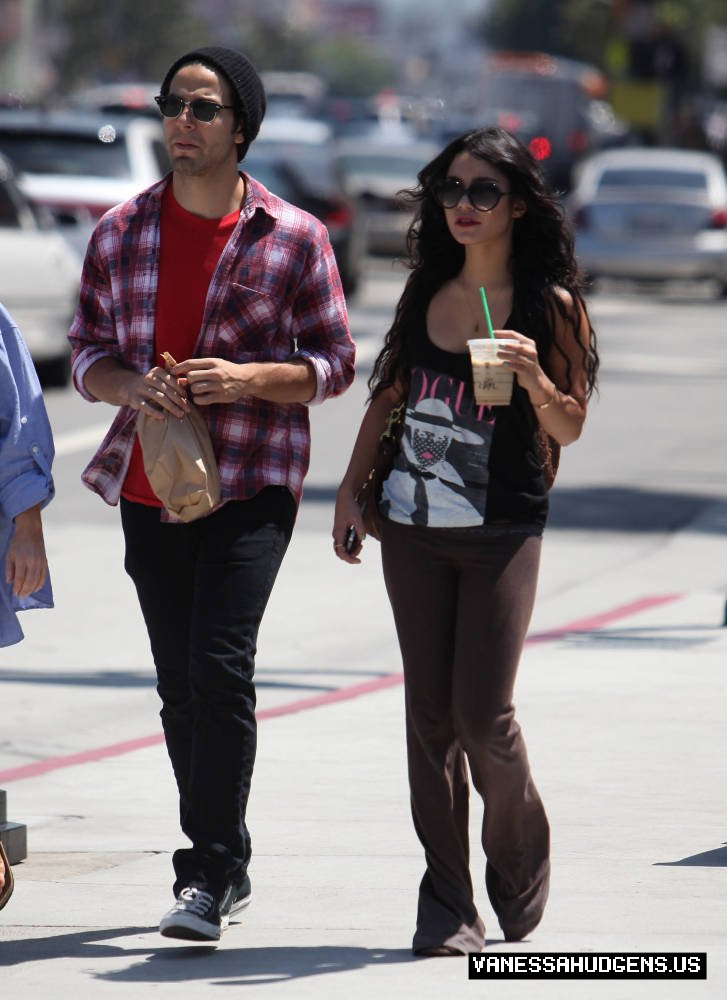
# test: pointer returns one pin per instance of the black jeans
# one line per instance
(203, 588)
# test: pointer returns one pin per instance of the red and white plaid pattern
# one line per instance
(275, 294)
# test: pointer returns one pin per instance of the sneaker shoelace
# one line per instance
(195, 901)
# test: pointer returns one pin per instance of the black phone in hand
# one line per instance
(351, 541)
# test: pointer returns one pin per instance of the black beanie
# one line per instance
(247, 87)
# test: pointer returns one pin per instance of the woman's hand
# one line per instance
(347, 515)
(522, 357)
(26, 565)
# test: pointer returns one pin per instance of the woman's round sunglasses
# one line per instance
(172, 106)
(483, 195)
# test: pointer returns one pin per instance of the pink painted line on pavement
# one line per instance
(589, 624)
(594, 622)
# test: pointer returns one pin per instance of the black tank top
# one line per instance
(462, 465)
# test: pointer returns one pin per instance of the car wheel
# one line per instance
(54, 373)
(349, 280)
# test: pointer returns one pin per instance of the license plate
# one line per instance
(652, 223)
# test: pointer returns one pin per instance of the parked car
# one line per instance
(651, 214)
(294, 158)
(375, 172)
(78, 165)
(39, 279)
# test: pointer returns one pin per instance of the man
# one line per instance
(242, 289)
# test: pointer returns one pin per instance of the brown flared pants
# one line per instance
(462, 603)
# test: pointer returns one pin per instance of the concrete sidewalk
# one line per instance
(624, 720)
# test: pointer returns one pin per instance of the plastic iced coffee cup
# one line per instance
(492, 380)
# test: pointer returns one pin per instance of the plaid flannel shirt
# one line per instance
(275, 295)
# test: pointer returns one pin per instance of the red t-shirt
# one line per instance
(190, 247)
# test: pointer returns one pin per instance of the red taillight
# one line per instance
(540, 147)
(718, 219)
(341, 215)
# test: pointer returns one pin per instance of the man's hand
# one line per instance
(26, 564)
(156, 392)
(213, 380)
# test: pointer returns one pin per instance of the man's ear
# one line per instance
(237, 134)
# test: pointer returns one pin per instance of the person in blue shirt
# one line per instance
(26, 486)
(26, 483)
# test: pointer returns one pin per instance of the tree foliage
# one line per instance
(126, 39)
(351, 68)
(123, 39)
(583, 29)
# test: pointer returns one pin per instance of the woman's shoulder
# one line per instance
(565, 303)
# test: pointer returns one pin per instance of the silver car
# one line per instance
(375, 170)
(651, 214)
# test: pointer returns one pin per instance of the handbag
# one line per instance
(179, 461)
(369, 493)
(549, 455)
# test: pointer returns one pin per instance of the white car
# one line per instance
(39, 280)
(651, 214)
(78, 165)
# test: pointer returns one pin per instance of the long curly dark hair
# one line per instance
(542, 256)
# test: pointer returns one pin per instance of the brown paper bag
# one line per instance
(179, 462)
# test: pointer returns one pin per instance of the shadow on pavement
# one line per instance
(162, 963)
(250, 966)
(622, 508)
(708, 859)
(126, 679)
(80, 944)
(604, 508)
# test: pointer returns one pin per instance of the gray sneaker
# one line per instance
(196, 916)
(236, 898)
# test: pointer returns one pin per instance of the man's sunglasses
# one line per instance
(483, 195)
(172, 106)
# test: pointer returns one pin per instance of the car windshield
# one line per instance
(70, 155)
(312, 163)
(692, 180)
(309, 172)
(271, 176)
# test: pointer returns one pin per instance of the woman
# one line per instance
(463, 512)
(26, 486)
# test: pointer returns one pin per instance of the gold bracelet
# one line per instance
(543, 406)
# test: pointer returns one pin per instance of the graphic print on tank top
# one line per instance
(440, 475)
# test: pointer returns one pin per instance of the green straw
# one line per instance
(487, 312)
